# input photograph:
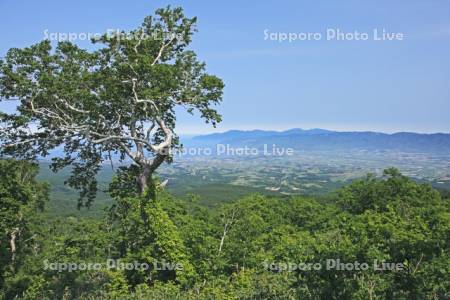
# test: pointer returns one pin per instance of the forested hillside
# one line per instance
(375, 238)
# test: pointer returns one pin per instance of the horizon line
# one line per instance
(199, 133)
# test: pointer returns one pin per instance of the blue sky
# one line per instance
(344, 85)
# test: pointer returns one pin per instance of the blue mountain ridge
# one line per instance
(321, 139)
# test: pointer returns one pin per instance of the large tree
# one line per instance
(119, 99)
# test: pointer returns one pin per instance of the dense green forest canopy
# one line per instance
(257, 247)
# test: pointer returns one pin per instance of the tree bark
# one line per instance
(227, 223)
(14, 233)
(147, 170)
(142, 179)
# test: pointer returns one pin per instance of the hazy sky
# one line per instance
(345, 85)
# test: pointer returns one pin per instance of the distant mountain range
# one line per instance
(321, 139)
